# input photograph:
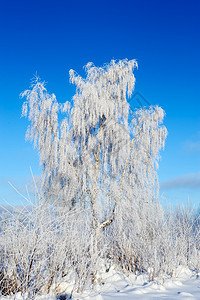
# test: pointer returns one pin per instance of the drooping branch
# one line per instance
(127, 159)
(81, 181)
(108, 222)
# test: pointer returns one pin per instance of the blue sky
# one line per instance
(51, 37)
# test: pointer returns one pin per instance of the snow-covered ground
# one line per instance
(184, 286)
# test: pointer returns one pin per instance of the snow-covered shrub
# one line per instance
(41, 246)
(44, 245)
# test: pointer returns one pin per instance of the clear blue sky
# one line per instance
(51, 37)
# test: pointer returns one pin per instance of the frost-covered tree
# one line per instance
(102, 156)
(98, 203)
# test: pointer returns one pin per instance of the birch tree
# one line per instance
(102, 156)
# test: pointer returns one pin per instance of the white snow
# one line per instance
(118, 286)
(185, 286)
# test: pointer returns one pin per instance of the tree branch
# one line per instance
(126, 162)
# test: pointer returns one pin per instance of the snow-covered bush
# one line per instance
(43, 246)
